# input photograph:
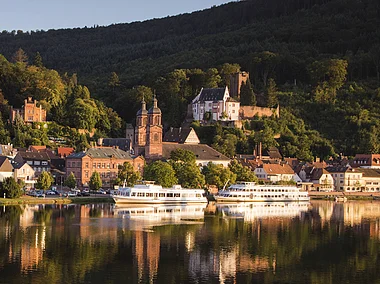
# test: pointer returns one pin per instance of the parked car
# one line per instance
(39, 193)
(84, 193)
(52, 192)
(70, 194)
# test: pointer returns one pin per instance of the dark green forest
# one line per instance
(318, 59)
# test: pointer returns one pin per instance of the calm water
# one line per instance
(317, 242)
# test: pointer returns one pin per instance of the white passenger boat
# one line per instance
(150, 193)
(250, 211)
(251, 192)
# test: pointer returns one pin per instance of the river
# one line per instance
(317, 242)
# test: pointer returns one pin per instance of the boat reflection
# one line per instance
(145, 216)
(258, 210)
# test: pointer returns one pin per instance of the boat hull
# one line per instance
(126, 200)
(243, 199)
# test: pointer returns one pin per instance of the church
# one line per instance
(148, 132)
(149, 141)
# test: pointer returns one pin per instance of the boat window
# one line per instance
(133, 194)
(141, 194)
(148, 194)
(184, 194)
(162, 194)
(198, 195)
(169, 195)
(177, 194)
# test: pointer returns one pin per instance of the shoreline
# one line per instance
(55, 200)
(314, 195)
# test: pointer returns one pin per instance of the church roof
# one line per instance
(211, 94)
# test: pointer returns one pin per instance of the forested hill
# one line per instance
(301, 31)
(319, 59)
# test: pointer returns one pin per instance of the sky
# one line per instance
(27, 15)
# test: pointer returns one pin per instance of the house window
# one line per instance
(37, 163)
(103, 165)
(94, 165)
(98, 165)
(44, 163)
(86, 174)
(87, 165)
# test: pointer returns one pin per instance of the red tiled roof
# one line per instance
(278, 169)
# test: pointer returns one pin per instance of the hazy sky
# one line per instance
(34, 15)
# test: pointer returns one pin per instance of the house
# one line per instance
(215, 103)
(346, 179)
(63, 152)
(370, 179)
(320, 178)
(6, 169)
(25, 173)
(369, 161)
(8, 150)
(203, 153)
(275, 172)
(39, 161)
(30, 112)
(181, 135)
(104, 160)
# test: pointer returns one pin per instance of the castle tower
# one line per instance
(153, 147)
(140, 130)
(236, 80)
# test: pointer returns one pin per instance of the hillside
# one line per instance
(323, 57)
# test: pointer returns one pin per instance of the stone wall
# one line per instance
(247, 112)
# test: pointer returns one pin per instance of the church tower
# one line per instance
(140, 130)
(153, 147)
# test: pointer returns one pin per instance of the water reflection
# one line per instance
(317, 242)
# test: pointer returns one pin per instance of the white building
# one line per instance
(217, 103)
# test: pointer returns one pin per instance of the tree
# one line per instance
(95, 181)
(186, 169)
(71, 181)
(38, 60)
(20, 57)
(226, 70)
(128, 174)
(44, 181)
(243, 173)
(11, 188)
(218, 175)
(160, 172)
(271, 93)
(247, 96)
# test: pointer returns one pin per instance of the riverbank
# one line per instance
(348, 195)
(55, 200)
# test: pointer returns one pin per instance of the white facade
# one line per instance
(218, 103)
(26, 174)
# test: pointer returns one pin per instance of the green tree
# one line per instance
(160, 172)
(243, 173)
(226, 70)
(247, 96)
(10, 188)
(71, 181)
(38, 60)
(128, 174)
(44, 181)
(95, 181)
(186, 169)
(218, 175)
(271, 92)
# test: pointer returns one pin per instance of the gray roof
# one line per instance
(122, 143)
(201, 151)
(212, 94)
(375, 173)
(39, 156)
(177, 135)
(102, 153)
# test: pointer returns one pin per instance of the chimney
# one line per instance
(260, 149)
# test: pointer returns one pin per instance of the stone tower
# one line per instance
(153, 147)
(235, 83)
(140, 130)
